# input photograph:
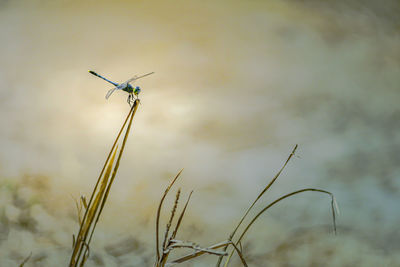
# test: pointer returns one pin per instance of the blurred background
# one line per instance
(237, 84)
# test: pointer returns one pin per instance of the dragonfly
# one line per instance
(125, 86)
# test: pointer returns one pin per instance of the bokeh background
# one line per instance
(237, 84)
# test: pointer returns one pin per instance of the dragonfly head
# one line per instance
(137, 90)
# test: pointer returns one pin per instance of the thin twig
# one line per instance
(170, 219)
(198, 253)
(159, 212)
(277, 201)
(26, 260)
(166, 252)
(258, 197)
(180, 218)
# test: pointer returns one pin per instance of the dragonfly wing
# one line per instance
(132, 79)
(109, 93)
(137, 77)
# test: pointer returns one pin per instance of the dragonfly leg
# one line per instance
(135, 98)
(128, 100)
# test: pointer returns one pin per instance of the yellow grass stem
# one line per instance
(99, 196)
(135, 106)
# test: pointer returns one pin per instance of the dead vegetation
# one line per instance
(93, 208)
(171, 243)
(98, 198)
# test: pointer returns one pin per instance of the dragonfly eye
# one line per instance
(137, 90)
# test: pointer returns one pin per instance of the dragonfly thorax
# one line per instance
(128, 88)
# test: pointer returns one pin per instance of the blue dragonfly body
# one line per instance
(125, 86)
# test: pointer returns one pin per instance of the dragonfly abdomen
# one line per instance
(98, 75)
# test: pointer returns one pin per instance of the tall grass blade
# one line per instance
(165, 254)
(279, 200)
(258, 197)
(178, 224)
(99, 196)
(158, 215)
(26, 260)
(171, 218)
(107, 190)
(92, 209)
(239, 252)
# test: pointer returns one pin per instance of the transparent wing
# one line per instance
(134, 78)
(109, 93)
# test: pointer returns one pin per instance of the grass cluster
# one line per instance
(224, 250)
(98, 198)
(170, 243)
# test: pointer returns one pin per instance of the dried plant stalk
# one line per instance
(166, 250)
(158, 215)
(333, 206)
(99, 196)
(258, 197)
(170, 219)
(199, 253)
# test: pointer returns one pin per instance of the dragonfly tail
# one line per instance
(101, 77)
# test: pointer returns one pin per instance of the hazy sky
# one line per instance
(237, 84)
